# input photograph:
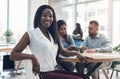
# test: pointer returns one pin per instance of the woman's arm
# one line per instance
(17, 54)
(73, 47)
(67, 52)
(71, 40)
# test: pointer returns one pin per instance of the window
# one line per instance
(82, 11)
(86, 0)
(116, 23)
(14, 16)
(68, 16)
(81, 0)
(67, 2)
(3, 18)
(93, 11)
(18, 17)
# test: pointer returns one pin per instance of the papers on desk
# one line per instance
(68, 57)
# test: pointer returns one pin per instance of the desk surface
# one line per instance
(96, 57)
(6, 47)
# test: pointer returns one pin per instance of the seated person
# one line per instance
(66, 41)
(78, 34)
(94, 43)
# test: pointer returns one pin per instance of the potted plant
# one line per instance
(116, 49)
(8, 34)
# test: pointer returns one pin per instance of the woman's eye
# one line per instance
(45, 15)
(51, 16)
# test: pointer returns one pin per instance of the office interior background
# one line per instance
(18, 16)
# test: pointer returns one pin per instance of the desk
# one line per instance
(95, 57)
(4, 49)
(7, 48)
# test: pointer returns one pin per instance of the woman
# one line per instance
(66, 41)
(44, 44)
(78, 34)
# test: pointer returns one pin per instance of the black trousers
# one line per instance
(62, 75)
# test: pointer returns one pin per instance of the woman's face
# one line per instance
(46, 18)
(62, 30)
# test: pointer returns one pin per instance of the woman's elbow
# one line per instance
(12, 57)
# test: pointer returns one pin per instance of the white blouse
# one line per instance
(44, 49)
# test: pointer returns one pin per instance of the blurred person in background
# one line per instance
(78, 34)
(96, 42)
(67, 41)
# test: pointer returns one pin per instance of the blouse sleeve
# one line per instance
(71, 40)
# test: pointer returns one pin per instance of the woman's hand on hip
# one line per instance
(35, 65)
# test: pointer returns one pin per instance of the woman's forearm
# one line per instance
(70, 53)
(20, 56)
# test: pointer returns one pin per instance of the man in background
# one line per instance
(96, 43)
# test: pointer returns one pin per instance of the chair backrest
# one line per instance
(7, 63)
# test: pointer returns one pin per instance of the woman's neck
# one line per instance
(60, 36)
(44, 31)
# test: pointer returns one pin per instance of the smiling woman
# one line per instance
(44, 57)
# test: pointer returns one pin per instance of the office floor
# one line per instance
(26, 73)
(110, 71)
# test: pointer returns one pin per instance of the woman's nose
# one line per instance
(64, 31)
(48, 18)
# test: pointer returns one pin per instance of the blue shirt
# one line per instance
(65, 44)
(100, 43)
